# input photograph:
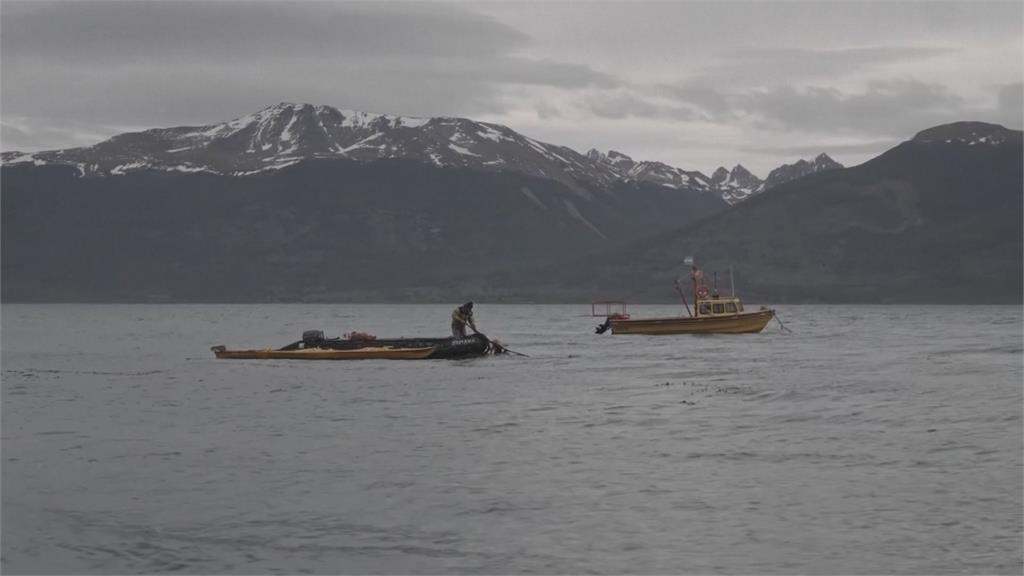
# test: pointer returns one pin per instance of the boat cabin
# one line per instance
(716, 305)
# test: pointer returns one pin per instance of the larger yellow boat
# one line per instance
(712, 314)
(721, 316)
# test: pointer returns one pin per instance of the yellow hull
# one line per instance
(325, 354)
(742, 323)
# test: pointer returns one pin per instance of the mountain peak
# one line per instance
(824, 162)
(287, 133)
(619, 158)
(287, 106)
(799, 169)
(614, 159)
(719, 175)
(968, 132)
(739, 171)
(735, 185)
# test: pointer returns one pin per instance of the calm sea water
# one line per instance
(868, 440)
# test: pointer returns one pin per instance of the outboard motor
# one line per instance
(312, 338)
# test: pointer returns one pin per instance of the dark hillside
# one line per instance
(319, 230)
(928, 221)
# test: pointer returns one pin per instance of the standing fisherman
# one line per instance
(461, 317)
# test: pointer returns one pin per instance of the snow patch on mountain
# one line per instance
(532, 197)
(575, 213)
(461, 150)
(125, 168)
(490, 133)
(658, 173)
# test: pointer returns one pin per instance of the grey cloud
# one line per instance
(619, 104)
(891, 108)
(896, 108)
(1011, 105)
(93, 67)
(209, 93)
(715, 103)
(547, 111)
(752, 66)
(543, 72)
(808, 151)
(117, 33)
(31, 134)
(15, 138)
(172, 63)
(688, 33)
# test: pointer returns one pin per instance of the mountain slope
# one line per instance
(268, 206)
(319, 230)
(935, 219)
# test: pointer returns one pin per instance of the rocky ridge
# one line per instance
(285, 134)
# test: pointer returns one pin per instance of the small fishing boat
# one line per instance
(325, 354)
(712, 313)
(362, 346)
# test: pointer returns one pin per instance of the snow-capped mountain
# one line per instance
(735, 185)
(659, 173)
(614, 159)
(738, 184)
(284, 134)
(801, 168)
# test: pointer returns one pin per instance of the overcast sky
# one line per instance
(693, 84)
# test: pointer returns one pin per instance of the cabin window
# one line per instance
(705, 308)
(739, 306)
(719, 308)
(730, 307)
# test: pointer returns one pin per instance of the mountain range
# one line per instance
(285, 134)
(312, 203)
